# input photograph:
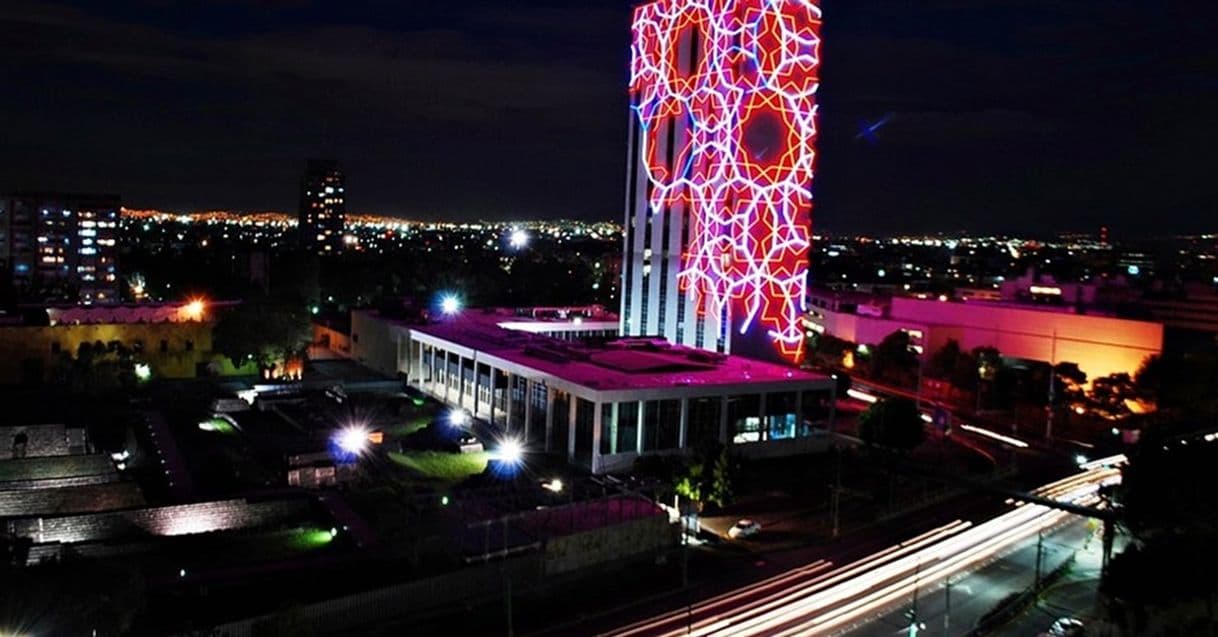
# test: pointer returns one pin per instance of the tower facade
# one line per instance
(722, 151)
(323, 207)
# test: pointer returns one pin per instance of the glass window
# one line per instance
(780, 415)
(703, 426)
(608, 430)
(744, 418)
(628, 427)
(585, 413)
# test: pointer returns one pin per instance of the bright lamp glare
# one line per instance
(519, 239)
(353, 440)
(450, 305)
(458, 418)
(511, 452)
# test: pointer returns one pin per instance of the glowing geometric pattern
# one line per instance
(741, 122)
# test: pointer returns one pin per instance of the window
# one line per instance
(628, 427)
(744, 418)
(661, 424)
(780, 415)
(703, 425)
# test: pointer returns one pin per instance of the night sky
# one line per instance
(1009, 115)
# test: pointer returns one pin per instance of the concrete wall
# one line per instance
(81, 499)
(373, 343)
(42, 440)
(572, 552)
(204, 517)
(335, 616)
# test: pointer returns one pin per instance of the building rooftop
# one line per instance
(617, 364)
(179, 312)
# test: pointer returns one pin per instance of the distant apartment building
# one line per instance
(323, 207)
(60, 247)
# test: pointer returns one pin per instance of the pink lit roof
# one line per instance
(622, 364)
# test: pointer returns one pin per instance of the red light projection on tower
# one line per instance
(724, 91)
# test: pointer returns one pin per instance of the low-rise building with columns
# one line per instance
(564, 382)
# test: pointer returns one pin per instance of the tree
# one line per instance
(1110, 393)
(265, 331)
(894, 360)
(894, 423)
(706, 476)
(1180, 381)
(828, 350)
(954, 365)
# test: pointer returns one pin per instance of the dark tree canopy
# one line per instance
(894, 361)
(894, 423)
(263, 330)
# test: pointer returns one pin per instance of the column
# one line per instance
(723, 433)
(448, 381)
(528, 407)
(683, 436)
(509, 402)
(640, 427)
(549, 416)
(572, 408)
(597, 425)
(765, 425)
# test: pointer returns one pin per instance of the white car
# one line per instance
(744, 528)
(1066, 627)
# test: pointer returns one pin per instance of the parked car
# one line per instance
(469, 443)
(1066, 627)
(744, 528)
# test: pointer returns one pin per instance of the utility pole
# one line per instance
(947, 608)
(1052, 387)
(1040, 543)
(508, 593)
(836, 503)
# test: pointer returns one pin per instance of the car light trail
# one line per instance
(813, 600)
(1014, 442)
(863, 396)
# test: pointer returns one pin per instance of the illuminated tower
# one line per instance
(719, 199)
(323, 208)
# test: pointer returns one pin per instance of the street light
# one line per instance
(519, 239)
(458, 418)
(353, 440)
(450, 304)
(511, 452)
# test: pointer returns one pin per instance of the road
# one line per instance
(820, 598)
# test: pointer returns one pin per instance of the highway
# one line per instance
(821, 598)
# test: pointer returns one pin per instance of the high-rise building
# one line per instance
(323, 207)
(60, 246)
(719, 199)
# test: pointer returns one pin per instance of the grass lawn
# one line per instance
(440, 465)
(407, 427)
